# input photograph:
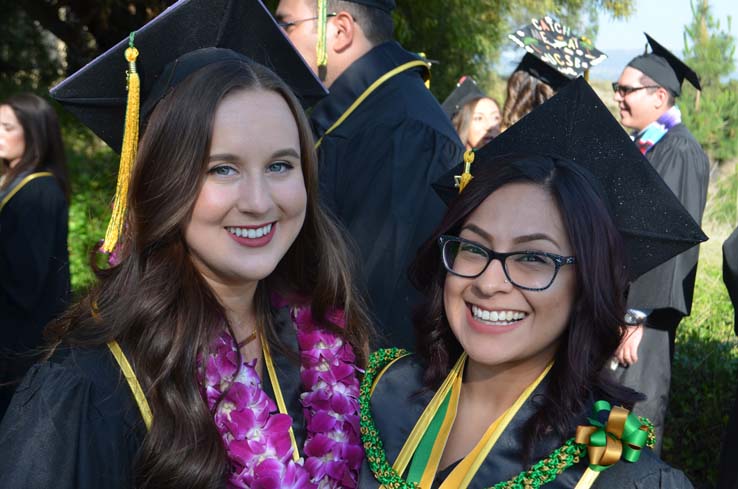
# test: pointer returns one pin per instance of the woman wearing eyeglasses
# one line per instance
(525, 284)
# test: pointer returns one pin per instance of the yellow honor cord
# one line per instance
(377, 83)
(322, 48)
(133, 384)
(429, 474)
(127, 153)
(278, 392)
(588, 479)
(21, 184)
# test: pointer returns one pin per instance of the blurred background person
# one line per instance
(554, 56)
(475, 116)
(34, 261)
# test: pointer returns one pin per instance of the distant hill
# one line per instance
(611, 68)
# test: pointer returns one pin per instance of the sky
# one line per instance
(664, 20)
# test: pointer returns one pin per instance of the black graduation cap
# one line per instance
(96, 94)
(664, 68)
(553, 43)
(386, 5)
(466, 91)
(576, 125)
(546, 73)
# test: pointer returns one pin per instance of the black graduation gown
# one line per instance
(685, 168)
(396, 406)
(74, 423)
(728, 468)
(34, 274)
(376, 171)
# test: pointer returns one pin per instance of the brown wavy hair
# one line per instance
(158, 306)
(524, 93)
(44, 149)
(594, 331)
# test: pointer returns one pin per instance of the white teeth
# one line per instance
(497, 316)
(250, 233)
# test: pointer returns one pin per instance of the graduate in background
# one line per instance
(657, 302)
(728, 472)
(475, 116)
(214, 351)
(554, 57)
(525, 284)
(34, 261)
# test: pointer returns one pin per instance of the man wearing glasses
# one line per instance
(645, 93)
(382, 139)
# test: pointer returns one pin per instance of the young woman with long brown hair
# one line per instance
(223, 348)
(34, 261)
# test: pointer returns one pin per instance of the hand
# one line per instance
(627, 352)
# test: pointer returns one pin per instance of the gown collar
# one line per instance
(357, 78)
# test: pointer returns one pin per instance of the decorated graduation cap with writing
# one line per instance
(119, 88)
(550, 44)
(575, 125)
(664, 68)
(466, 91)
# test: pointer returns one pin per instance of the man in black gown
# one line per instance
(376, 164)
(645, 94)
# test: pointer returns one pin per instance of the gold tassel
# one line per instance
(461, 181)
(322, 55)
(127, 153)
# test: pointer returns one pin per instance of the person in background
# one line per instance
(657, 302)
(554, 57)
(34, 261)
(224, 347)
(475, 116)
(382, 139)
(728, 469)
(525, 281)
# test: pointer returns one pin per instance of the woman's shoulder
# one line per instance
(72, 423)
(395, 371)
(44, 191)
(649, 472)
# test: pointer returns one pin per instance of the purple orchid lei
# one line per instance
(256, 435)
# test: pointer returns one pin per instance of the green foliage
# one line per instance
(705, 366)
(92, 168)
(710, 52)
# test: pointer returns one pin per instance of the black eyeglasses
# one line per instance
(285, 25)
(625, 90)
(527, 270)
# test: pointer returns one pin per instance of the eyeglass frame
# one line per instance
(285, 25)
(559, 260)
(625, 90)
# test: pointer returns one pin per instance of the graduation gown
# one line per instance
(34, 273)
(728, 477)
(74, 423)
(684, 166)
(376, 170)
(399, 400)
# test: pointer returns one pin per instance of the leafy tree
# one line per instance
(710, 52)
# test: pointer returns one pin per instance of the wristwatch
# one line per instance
(634, 317)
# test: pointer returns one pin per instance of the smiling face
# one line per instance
(253, 200)
(485, 123)
(12, 139)
(639, 108)
(516, 217)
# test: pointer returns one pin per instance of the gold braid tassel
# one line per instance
(127, 153)
(461, 181)
(322, 55)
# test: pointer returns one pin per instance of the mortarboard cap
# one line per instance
(664, 68)
(466, 91)
(554, 45)
(386, 5)
(542, 71)
(576, 125)
(96, 94)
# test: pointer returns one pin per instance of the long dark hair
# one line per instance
(524, 93)
(159, 307)
(594, 330)
(462, 119)
(44, 150)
